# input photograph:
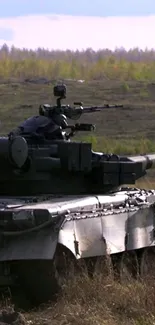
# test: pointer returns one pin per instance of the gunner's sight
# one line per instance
(60, 91)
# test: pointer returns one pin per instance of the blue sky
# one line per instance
(77, 24)
(11, 8)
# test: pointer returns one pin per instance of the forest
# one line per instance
(104, 64)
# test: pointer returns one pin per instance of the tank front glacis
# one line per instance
(61, 206)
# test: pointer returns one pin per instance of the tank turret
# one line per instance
(57, 165)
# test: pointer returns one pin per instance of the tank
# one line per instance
(64, 206)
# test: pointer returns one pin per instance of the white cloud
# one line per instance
(61, 32)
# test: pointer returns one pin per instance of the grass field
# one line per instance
(130, 130)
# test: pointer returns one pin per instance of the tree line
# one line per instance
(123, 65)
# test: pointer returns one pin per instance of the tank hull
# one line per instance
(99, 224)
(37, 232)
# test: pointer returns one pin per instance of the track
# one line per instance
(41, 281)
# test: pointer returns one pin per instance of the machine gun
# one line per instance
(70, 112)
(52, 120)
(59, 113)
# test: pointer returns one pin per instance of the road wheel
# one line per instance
(38, 280)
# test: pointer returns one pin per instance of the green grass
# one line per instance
(120, 146)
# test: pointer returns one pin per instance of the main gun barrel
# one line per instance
(143, 163)
(114, 170)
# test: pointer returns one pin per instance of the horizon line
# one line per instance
(119, 48)
(48, 14)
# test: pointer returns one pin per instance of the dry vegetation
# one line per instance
(96, 301)
(99, 302)
(120, 77)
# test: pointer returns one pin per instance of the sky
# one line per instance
(77, 24)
